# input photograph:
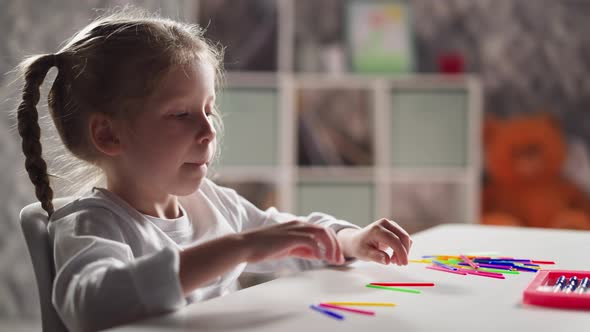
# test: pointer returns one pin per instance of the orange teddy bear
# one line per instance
(524, 186)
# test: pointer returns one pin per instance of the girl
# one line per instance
(135, 96)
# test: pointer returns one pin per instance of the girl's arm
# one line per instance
(368, 243)
(246, 217)
(296, 239)
(99, 283)
(204, 262)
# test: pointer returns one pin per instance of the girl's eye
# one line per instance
(180, 115)
(209, 111)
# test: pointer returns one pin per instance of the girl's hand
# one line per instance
(370, 243)
(294, 238)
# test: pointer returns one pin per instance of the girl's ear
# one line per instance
(104, 135)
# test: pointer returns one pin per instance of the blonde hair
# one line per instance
(110, 66)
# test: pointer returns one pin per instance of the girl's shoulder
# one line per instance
(224, 200)
(215, 191)
(96, 201)
(218, 197)
(95, 213)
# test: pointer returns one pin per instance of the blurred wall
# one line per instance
(531, 55)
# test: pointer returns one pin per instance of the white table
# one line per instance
(457, 303)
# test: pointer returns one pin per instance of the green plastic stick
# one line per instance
(407, 290)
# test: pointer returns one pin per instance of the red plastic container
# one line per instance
(538, 291)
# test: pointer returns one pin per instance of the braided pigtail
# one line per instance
(28, 127)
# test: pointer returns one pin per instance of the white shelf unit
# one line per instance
(442, 153)
(286, 175)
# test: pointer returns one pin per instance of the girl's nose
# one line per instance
(206, 133)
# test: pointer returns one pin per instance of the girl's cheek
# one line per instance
(213, 147)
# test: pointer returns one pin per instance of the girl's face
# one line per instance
(170, 143)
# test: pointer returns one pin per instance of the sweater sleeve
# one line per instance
(251, 217)
(99, 283)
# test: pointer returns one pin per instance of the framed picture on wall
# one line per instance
(379, 36)
(335, 127)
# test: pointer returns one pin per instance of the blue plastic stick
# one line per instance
(444, 265)
(327, 312)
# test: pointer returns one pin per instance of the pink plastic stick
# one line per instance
(358, 311)
(446, 270)
(469, 261)
(486, 274)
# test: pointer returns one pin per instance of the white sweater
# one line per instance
(114, 264)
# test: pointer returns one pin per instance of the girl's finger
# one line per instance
(326, 241)
(394, 242)
(401, 233)
(338, 255)
(319, 242)
(303, 245)
(377, 255)
(326, 247)
(394, 258)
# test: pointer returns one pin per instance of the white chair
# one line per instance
(33, 220)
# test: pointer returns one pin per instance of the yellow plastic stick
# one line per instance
(427, 261)
(373, 304)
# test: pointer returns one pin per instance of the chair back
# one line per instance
(33, 221)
